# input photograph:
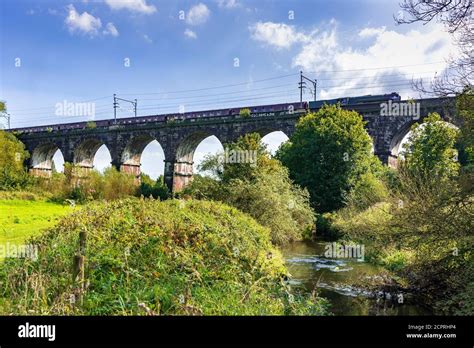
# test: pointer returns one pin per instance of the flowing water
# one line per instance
(334, 279)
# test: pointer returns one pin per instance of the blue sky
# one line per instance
(157, 51)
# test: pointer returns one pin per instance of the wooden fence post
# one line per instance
(78, 274)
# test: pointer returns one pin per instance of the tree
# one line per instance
(456, 16)
(156, 189)
(327, 154)
(12, 156)
(430, 150)
(259, 187)
(465, 108)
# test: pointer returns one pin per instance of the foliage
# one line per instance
(13, 173)
(325, 227)
(327, 154)
(262, 189)
(86, 185)
(146, 257)
(465, 109)
(367, 191)
(245, 113)
(91, 125)
(156, 189)
(423, 230)
(430, 151)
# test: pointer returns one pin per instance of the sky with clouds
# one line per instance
(197, 55)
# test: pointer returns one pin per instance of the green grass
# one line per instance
(154, 257)
(21, 219)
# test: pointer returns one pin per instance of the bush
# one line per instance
(367, 191)
(91, 125)
(156, 189)
(245, 113)
(82, 186)
(262, 189)
(325, 227)
(117, 185)
(13, 173)
(151, 257)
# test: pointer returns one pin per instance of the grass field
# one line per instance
(20, 219)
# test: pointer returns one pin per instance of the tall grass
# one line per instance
(146, 257)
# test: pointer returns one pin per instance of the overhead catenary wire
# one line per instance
(173, 107)
(247, 83)
(191, 100)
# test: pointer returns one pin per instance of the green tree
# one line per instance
(327, 154)
(260, 187)
(430, 150)
(156, 189)
(465, 108)
(13, 173)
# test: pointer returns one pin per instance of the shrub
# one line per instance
(13, 173)
(151, 257)
(117, 185)
(245, 113)
(91, 125)
(156, 189)
(367, 191)
(261, 189)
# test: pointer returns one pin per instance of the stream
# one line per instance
(332, 278)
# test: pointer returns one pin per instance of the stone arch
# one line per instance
(85, 152)
(184, 159)
(274, 139)
(210, 141)
(130, 161)
(102, 158)
(396, 142)
(41, 162)
(58, 161)
(399, 137)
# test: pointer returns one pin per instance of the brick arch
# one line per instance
(130, 156)
(184, 158)
(41, 161)
(401, 133)
(85, 151)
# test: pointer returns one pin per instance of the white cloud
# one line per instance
(147, 38)
(321, 53)
(190, 34)
(198, 14)
(317, 51)
(279, 35)
(371, 32)
(139, 6)
(82, 23)
(110, 29)
(228, 3)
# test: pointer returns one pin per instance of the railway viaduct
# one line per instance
(179, 138)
